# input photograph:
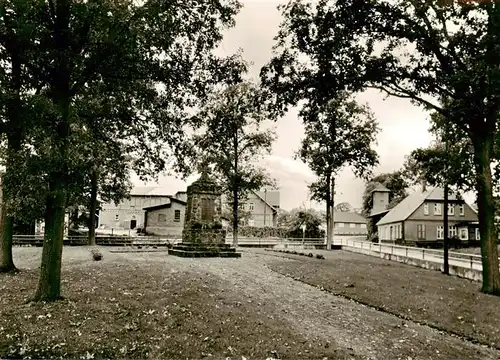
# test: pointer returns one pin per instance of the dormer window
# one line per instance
(462, 210)
(437, 209)
(451, 209)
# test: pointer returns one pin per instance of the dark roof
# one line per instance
(381, 188)
(177, 200)
(379, 212)
(164, 206)
(348, 217)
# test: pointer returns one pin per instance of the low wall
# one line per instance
(465, 273)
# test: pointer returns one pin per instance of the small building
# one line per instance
(262, 206)
(165, 219)
(349, 223)
(418, 219)
(129, 213)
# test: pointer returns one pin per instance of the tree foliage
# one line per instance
(343, 207)
(234, 140)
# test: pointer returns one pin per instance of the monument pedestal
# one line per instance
(204, 250)
(203, 235)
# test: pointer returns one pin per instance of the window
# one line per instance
(478, 235)
(421, 232)
(462, 210)
(251, 222)
(162, 218)
(426, 209)
(363, 226)
(451, 209)
(117, 217)
(437, 209)
(250, 207)
(177, 215)
(440, 232)
(464, 234)
(452, 231)
(341, 224)
(352, 225)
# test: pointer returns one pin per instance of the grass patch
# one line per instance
(449, 303)
(121, 309)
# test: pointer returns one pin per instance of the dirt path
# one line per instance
(323, 319)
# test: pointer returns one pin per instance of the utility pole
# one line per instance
(265, 205)
(446, 266)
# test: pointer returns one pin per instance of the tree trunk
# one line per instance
(93, 206)
(6, 224)
(332, 212)
(328, 210)
(235, 217)
(6, 220)
(486, 208)
(49, 285)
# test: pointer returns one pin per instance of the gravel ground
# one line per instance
(324, 320)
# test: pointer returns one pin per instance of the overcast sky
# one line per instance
(404, 127)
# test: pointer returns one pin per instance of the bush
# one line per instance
(373, 237)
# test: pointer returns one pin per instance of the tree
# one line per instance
(343, 207)
(15, 51)
(157, 67)
(341, 136)
(409, 50)
(234, 140)
(395, 182)
(311, 218)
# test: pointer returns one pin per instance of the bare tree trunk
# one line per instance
(49, 285)
(93, 206)
(235, 217)
(328, 212)
(332, 213)
(483, 146)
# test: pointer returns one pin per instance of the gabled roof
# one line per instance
(378, 212)
(381, 188)
(264, 201)
(348, 217)
(165, 206)
(411, 203)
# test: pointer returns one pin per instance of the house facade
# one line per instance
(263, 207)
(129, 213)
(349, 223)
(165, 219)
(418, 219)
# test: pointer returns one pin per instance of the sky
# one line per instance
(404, 127)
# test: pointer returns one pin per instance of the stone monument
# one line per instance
(203, 235)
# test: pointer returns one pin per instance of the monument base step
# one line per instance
(203, 250)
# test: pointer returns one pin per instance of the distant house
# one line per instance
(263, 207)
(165, 219)
(418, 219)
(349, 223)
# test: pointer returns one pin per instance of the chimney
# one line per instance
(424, 185)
